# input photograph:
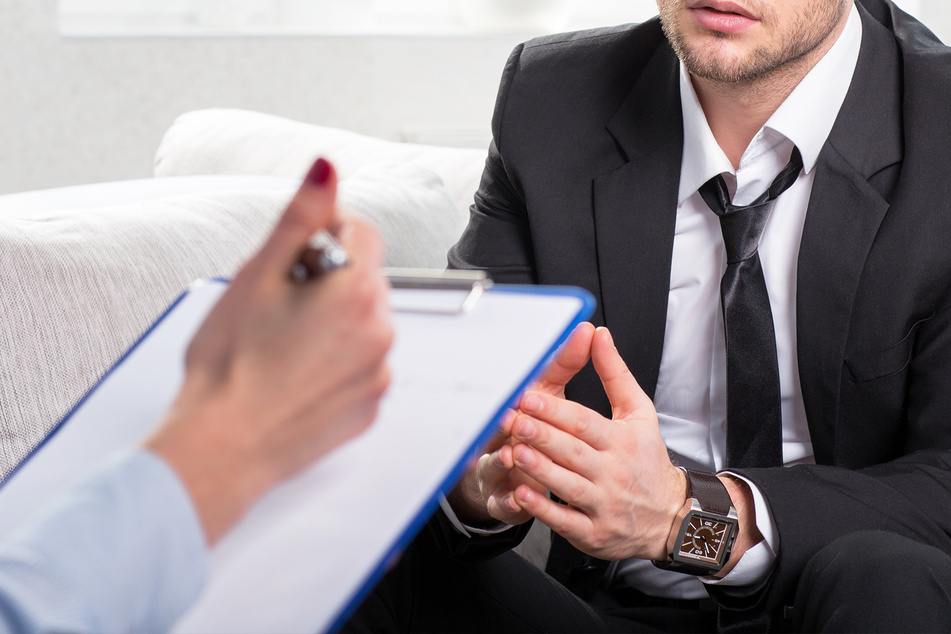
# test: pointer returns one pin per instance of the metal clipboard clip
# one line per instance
(450, 292)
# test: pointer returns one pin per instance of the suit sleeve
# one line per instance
(910, 495)
(496, 240)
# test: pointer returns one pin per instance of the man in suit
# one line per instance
(605, 172)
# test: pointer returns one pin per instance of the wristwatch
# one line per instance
(703, 542)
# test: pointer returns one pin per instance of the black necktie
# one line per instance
(754, 432)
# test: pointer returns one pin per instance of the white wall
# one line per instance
(77, 110)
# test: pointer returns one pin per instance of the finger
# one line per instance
(496, 466)
(508, 419)
(359, 290)
(574, 419)
(503, 433)
(621, 387)
(571, 487)
(571, 358)
(502, 506)
(495, 471)
(499, 440)
(500, 437)
(564, 447)
(361, 240)
(568, 522)
(313, 208)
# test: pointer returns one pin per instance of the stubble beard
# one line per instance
(809, 33)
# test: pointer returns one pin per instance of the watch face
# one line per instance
(705, 539)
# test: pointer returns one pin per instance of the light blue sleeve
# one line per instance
(122, 551)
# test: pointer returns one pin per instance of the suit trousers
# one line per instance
(873, 581)
(864, 582)
(429, 591)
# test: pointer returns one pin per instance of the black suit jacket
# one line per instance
(580, 187)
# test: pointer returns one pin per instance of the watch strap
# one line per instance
(708, 491)
(684, 568)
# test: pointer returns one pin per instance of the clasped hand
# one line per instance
(620, 490)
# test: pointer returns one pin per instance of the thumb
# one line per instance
(312, 209)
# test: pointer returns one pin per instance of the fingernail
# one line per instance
(508, 419)
(525, 496)
(506, 461)
(522, 456)
(608, 333)
(531, 403)
(524, 429)
(319, 173)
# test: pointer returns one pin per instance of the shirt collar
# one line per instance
(806, 117)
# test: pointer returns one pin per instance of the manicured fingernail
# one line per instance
(319, 173)
(531, 403)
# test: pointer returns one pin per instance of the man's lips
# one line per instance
(725, 17)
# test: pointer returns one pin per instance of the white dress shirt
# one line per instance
(691, 387)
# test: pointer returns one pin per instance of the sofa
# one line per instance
(85, 270)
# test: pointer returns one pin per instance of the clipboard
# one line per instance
(308, 552)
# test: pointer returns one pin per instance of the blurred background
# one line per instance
(89, 86)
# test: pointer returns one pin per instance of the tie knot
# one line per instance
(743, 225)
(742, 228)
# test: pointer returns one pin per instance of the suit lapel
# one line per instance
(635, 207)
(845, 212)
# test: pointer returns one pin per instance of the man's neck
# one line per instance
(735, 112)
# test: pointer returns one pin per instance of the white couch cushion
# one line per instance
(412, 208)
(228, 141)
(79, 285)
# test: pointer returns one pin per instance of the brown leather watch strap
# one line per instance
(707, 489)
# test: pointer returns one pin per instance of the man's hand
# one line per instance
(281, 371)
(615, 475)
(485, 493)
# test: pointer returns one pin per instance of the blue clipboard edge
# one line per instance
(82, 400)
(588, 304)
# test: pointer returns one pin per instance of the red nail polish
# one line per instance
(319, 173)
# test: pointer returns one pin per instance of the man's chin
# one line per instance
(725, 62)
